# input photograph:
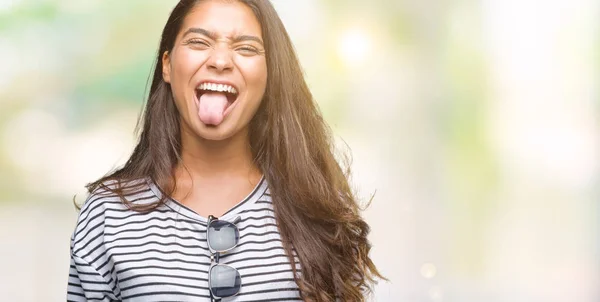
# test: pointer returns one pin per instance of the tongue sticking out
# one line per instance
(211, 107)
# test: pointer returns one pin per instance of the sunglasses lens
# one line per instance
(225, 281)
(222, 235)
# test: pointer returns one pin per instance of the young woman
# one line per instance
(232, 191)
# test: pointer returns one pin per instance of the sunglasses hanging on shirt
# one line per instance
(223, 280)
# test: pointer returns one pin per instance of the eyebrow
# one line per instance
(213, 35)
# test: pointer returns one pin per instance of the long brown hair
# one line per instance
(318, 215)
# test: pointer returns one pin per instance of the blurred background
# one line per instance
(475, 123)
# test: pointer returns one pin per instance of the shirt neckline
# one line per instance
(182, 209)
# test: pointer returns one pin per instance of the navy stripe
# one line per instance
(120, 254)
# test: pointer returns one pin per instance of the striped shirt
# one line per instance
(121, 255)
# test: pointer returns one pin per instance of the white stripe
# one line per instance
(163, 255)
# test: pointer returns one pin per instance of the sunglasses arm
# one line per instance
(216, 257)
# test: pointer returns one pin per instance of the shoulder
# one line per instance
(115, 193)
(109, 196)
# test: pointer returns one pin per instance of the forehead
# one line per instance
(225, 18)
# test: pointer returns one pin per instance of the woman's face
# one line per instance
(217, 69)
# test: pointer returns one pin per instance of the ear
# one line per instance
(166, 67)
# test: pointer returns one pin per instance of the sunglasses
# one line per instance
(223, 280)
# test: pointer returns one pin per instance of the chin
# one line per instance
(221, 132)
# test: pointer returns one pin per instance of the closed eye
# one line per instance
(248, 50)
(197, 42)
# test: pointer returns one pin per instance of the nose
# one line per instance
(220, 59)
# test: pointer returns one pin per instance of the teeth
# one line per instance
(217, 87)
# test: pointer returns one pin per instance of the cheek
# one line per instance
(259, 81)
(185, 63)
(255, 76)
(254, 73)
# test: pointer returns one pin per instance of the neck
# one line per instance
(204, 158)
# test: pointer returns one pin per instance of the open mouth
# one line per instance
(215, 101)
(229, 91)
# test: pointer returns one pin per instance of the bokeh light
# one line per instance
(354, 47)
